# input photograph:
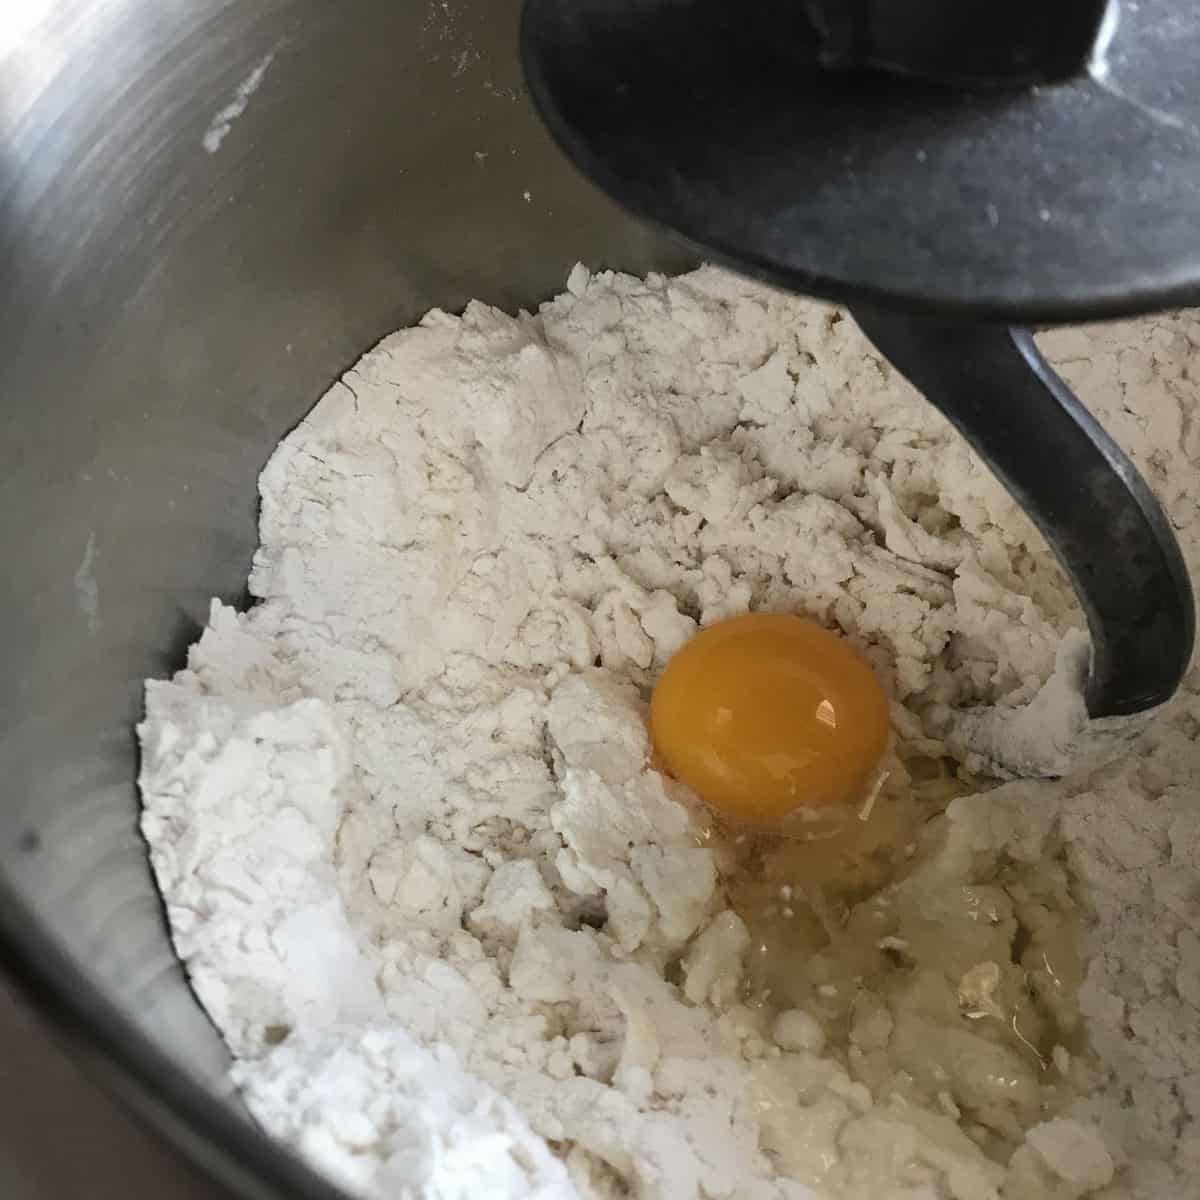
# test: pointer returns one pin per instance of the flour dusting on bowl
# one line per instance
(463, 937)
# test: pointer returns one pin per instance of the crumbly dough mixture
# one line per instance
(457, 931)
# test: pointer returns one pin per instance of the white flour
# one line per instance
(457, 931)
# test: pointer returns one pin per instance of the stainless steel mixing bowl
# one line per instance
(168, 310)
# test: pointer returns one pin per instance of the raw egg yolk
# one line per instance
(766, 714)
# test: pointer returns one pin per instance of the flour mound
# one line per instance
(457, 930)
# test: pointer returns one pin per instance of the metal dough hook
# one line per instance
(953, 170)
(1086, 497)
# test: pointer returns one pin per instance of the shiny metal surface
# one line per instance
(166, 314)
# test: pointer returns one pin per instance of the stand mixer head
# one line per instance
(952, 170)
